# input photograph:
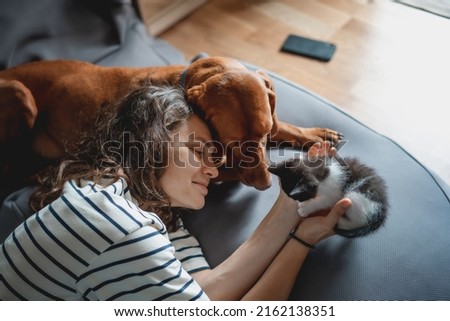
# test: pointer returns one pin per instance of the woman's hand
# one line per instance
(317, 227)
(325, 149)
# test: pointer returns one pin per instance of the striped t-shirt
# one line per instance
(95, 243)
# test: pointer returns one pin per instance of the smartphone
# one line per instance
(307, 47)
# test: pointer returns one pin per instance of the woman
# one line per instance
(105, 228)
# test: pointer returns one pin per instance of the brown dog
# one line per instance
(45, 104)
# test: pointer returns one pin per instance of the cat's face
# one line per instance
(299, 179)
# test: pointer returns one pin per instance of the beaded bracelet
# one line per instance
(295, 237)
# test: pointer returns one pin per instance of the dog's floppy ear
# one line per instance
(272, 99)
(194, 93)
(18, 112)
(206, 96)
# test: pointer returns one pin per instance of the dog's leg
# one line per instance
(299, 137)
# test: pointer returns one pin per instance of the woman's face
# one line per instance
(190, 168)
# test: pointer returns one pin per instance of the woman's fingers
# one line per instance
(338, 211)
(322, 150)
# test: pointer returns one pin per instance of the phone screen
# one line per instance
(312, 48)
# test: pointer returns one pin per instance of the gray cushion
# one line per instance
(14, 211)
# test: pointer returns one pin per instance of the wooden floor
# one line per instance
(391, 69)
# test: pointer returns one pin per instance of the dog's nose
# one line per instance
(262, 184)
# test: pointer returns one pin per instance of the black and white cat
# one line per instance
(318, 184)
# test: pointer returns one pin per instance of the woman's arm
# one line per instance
(234, 277)
(277, 281)
(265, 266)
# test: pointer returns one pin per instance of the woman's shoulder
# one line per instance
(111, 203)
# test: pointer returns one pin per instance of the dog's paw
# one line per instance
(310, 136)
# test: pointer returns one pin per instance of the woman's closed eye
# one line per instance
(199, 152)
(206, 152)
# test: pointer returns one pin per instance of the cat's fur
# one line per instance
(319, 184)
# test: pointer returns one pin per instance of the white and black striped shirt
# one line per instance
(95, 243)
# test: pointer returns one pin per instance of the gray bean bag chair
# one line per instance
(407, 259)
